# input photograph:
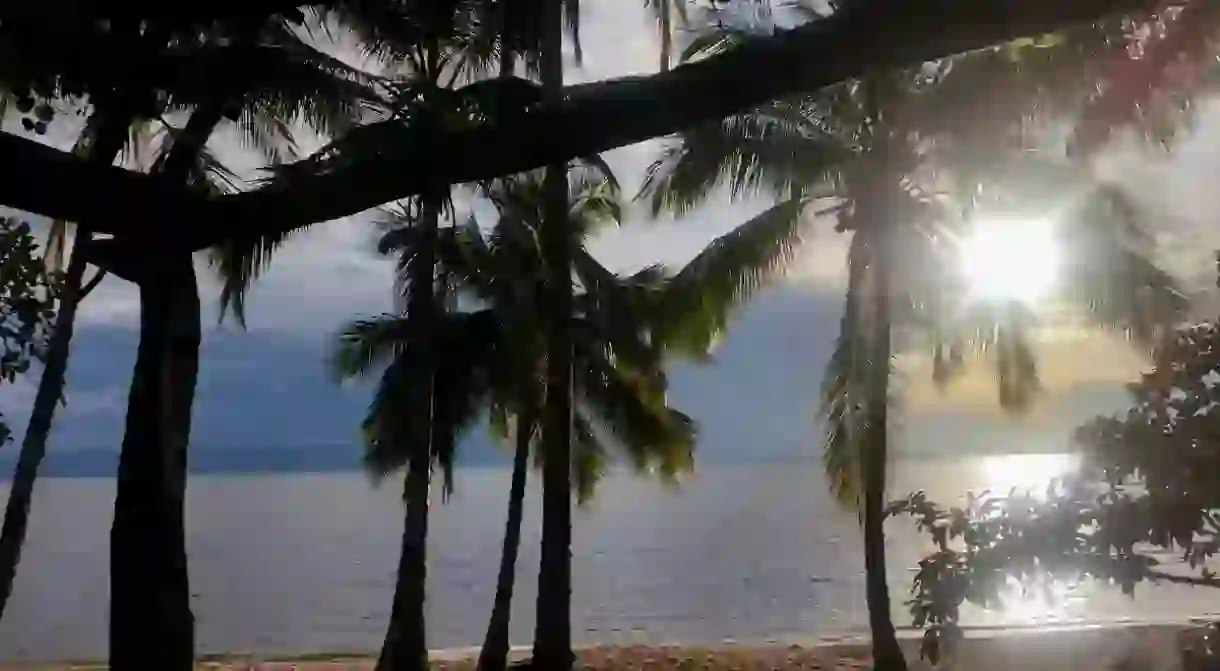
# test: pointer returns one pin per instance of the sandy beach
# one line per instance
(1108, 648)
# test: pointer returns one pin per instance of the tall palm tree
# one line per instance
(541, 46)
(864, 145)
(501, 364)
(618, 381)
(553, 627)
(432, 53)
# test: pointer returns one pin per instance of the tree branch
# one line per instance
(592, 118)
(92, 284)
(1196, 581)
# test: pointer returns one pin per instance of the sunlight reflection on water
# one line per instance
(947, 483)
(1045, 601)
(1025, 472)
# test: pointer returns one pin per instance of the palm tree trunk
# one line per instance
(887, 655)
(151, 624)
(405, 645)
(553, 627)
(667, 36)
(507, 57)
(111, 136)
(494, 655)
(496, 642)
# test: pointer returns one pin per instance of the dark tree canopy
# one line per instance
(599, 116)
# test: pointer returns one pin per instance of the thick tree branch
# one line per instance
(593, 118)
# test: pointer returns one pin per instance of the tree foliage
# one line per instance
(952, 159)
(27, 305)
(1148, 482)
(492, 353)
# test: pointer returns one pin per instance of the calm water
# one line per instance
(300, 563)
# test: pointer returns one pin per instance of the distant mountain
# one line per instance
(265, 403)
(103, 462)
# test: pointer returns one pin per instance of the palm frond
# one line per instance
(398, 424)
(782, 150)
(594, 202)
(239, 261)
(366, 345)
(701, 297)
(465, 351)
(713, 40)
(262, 131)
(1016, 365)
(843, 398)
(1112, 276)
(55, 255)
(304, 86)
(630, 407)
(589, 457)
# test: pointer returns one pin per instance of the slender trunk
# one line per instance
(507, 57)
(151, 624)
(111, 135)
(34, 444)
(405, 645)
(887, 655)
(667, 37)
(494, 655)
(553, 630)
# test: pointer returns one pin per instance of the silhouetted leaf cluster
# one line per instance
(27, 304)
(1149, 480)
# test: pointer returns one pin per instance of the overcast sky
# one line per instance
(268, 385)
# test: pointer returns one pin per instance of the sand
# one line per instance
(1110, 648)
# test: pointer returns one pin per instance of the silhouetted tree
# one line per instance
(493, 358)
(875, 151)
(269, 74)
(1147, 482)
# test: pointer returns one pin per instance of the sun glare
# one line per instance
(1010, 259)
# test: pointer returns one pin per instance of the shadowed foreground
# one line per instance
(1142, 648)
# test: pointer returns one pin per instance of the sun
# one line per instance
(1010, 260)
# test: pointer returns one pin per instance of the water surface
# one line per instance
(294, 563)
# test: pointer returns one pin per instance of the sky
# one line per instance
(268, 386)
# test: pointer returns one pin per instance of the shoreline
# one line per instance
(1093, 646)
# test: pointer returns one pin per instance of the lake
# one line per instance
(295, 563)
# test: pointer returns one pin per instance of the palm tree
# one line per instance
(433, 55)
(500, 362)
(542, 46)
(492, 357)
(856, 145)
(618, 383)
